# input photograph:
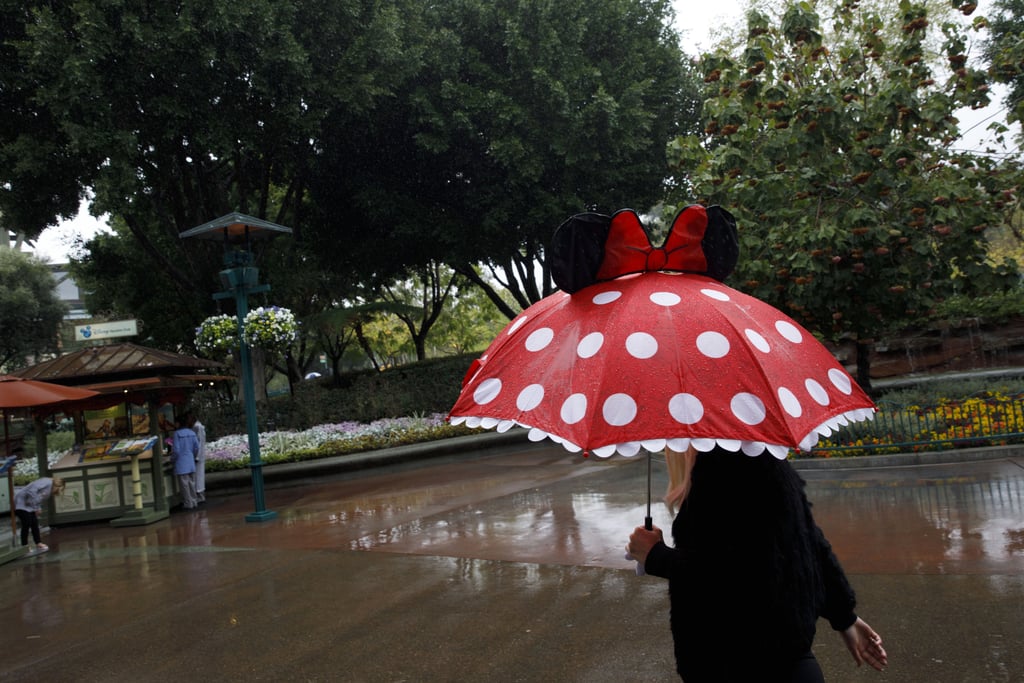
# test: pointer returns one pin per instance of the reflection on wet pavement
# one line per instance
(548, 506)
(956, 519)
(523, 550)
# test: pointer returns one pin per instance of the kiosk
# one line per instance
(117, 470)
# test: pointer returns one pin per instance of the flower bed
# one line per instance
(322, 441)
(990, 418)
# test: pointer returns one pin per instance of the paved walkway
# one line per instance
(498, 565)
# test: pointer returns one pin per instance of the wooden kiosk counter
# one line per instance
(117, 469)
(100, 480)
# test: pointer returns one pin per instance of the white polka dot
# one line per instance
(748, 408)
(590, 345)
(539, 339)
(790, 402)
(530, 397)
(574, 409)
(789, 331)
(517, 323)
(759, 342)
(487, 391)
(817, 392)
(606, 297)
(715, 294)
(641, 345)
(665, 298)
(713, 344)
(619, 410)
(841, 381)
(686, 409)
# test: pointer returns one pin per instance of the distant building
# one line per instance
(68, 292)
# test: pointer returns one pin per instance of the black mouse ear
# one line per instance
(721, 244)
(577, 249)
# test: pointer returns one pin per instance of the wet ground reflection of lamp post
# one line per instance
(240, 279)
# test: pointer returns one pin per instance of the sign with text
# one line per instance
(118, 328)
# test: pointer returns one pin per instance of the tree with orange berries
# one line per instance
(839, 156)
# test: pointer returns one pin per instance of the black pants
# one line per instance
(28, 520)
(807, 670)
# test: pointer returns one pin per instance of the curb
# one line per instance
(432, 452)
(956, 455)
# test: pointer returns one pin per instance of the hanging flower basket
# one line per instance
(217, 334)
(270, 328)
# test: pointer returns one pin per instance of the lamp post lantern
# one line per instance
(240, 278)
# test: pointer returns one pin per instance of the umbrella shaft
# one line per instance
(648, 522)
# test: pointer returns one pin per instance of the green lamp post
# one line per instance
(240, 279)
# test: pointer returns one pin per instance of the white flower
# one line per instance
(217, 334)
(270, 328)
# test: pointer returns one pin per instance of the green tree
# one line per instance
(177, 113)
(523, 113)
(1004, 51)
(30, 311)
(339, 329)
(470, 322)
(39, 171)
(836, 155)
(420, 300)
(118, 279)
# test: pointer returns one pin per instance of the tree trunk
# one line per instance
(259, 375)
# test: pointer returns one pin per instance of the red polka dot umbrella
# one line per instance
(640, 358)
(660, 359)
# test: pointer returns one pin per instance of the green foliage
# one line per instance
(523, 114)
(407, 132)
(426, 387)
(1004, 51)
(177, 113)
(933, 392)
(992, 308)
(30, 311)
(470, 322)
(834, 150)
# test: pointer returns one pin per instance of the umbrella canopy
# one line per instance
(661, 359)
(651, 359)
(16, 392)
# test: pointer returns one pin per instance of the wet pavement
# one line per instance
(501, 567)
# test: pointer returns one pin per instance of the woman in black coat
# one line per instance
(750, 573)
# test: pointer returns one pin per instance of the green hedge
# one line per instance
(423, 388)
